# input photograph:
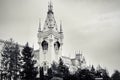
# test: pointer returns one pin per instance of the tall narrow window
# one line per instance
(57, 45)
(44, 45)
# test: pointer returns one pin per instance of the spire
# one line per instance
(39, 26)
(33, 46)
(50, 7)
(61, 26)
(11, 40)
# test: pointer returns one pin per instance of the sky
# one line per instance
(91, 26)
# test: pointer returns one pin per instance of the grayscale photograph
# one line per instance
(59, 39)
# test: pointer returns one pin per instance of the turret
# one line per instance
(39, 29)
(50, 40)
(61, 27)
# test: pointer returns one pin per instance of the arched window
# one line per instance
(44, 45)
(57, 45)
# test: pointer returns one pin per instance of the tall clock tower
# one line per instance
(50, 40)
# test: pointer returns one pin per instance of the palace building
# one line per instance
(50, 41)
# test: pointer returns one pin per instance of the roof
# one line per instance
(50, 22)
(66, 57)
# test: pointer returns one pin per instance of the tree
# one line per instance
(85, 74)
(61, 62)
(105, 75)
(5, 59)
(15, 62)
(50, 73)
(54, 66)
(92, 69)
(41, 73)
(63, 70)
(59, 70)
(10, 60)
(116, 75)
(29, 71)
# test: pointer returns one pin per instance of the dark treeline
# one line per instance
(16, 65)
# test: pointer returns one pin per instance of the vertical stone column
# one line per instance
(51, 51)
(40, 52)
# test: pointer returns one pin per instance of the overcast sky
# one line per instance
(91, 26)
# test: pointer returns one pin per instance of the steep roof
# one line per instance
(50, 22)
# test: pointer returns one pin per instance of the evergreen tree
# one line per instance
(92, 69)
(10, 60)
(116, 75)
(15, 62)
(50, 73)
(29, 71)
(54, 66)
(63, 70)
(102, 73)
(105, 75)
(41, 73)
(98, 74)
(5, 60)
(85, 74)
(61, 62)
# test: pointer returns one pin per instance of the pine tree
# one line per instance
(60, 68)
(54, 66)
(10, 60)
(16, 62)
(29, 71)
(116, 75)
(60, 62)
(5, 60)
(105, 75)
(63, 70)
(41, 73)
(49, 73)
(92, 69)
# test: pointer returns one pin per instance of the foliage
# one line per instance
(10, 60)
(59, 70)
(104, 74)
(22, 66)
(116, 75)
(29, 71)
(41, 73)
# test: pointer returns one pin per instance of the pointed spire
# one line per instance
(50, 7)
(33, 46)
(27, 44)
(39, 30)
(61, 27)
(11, 40)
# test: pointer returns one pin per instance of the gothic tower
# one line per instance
(50, 40)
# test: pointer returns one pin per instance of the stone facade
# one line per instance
(50, 41)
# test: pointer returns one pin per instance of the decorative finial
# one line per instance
(11, 40)
(27, 44)
(33, 46)
(61, 26)
(39, 25)
(50, 7)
